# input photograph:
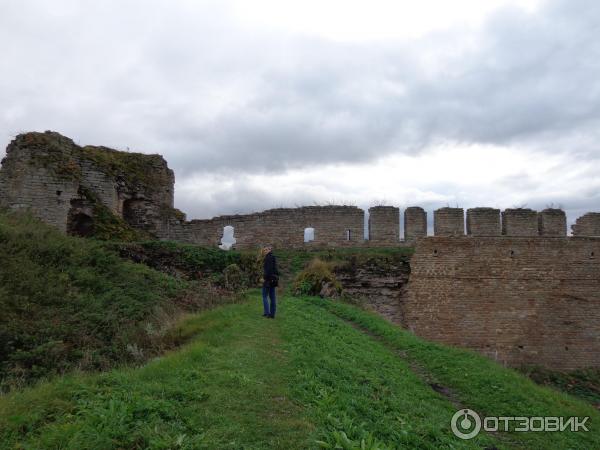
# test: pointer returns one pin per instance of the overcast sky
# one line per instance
(267, 103)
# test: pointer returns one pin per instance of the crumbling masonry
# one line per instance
(68, 186)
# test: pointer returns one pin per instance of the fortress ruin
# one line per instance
(64, 185)
(510, 284)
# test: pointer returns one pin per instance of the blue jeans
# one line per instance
(269, 292)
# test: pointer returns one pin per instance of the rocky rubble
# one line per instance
(379, 282)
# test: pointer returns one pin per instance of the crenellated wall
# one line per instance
(62, 183)
(514, 288)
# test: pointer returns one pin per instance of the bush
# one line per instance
(317, 275)
(234, 278)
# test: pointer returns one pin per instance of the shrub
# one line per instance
(314, 277)
(234, 278)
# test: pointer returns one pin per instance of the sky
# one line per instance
(269, 103)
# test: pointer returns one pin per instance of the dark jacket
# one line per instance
(270, 272)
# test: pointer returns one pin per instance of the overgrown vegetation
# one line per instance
(53, 153)
(134, 168)
(72, 303)
(107, 225)
(314, 277)
(293, 261)
(191, 261)
(584, 383)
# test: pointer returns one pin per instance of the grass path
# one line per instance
(322, 374)
(227, 389)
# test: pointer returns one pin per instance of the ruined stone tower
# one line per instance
(72, 187)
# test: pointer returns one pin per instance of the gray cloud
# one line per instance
(189, 82)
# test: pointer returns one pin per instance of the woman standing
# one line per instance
(270, 282)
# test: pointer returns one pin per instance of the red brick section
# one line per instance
(518, 300)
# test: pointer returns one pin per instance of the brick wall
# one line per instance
(449, 222)
(282, 227)
(517, 300)
(415, 223)
(519, 222)
(384, 224)
(552, 222)
(28, 184)
(587, 225)
(483, 222)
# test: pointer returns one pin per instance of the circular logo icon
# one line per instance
(466, 424)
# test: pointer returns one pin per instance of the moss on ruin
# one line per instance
(57, 153)
(167, 211)
(107, 225)
(136, 169)
(53, 152)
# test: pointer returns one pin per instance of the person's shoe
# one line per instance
(271, 316)
(266, 315)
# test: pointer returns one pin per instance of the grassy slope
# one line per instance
(67, 302)
(309, 376)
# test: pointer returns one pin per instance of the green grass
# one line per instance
(582, 383)
(227, 389)
(323, 374)
(481, 384)
(69, 303)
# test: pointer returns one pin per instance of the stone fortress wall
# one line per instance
(519, 300)
(344, 226)
(282, 227)
(509, 284)
(61, 183)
